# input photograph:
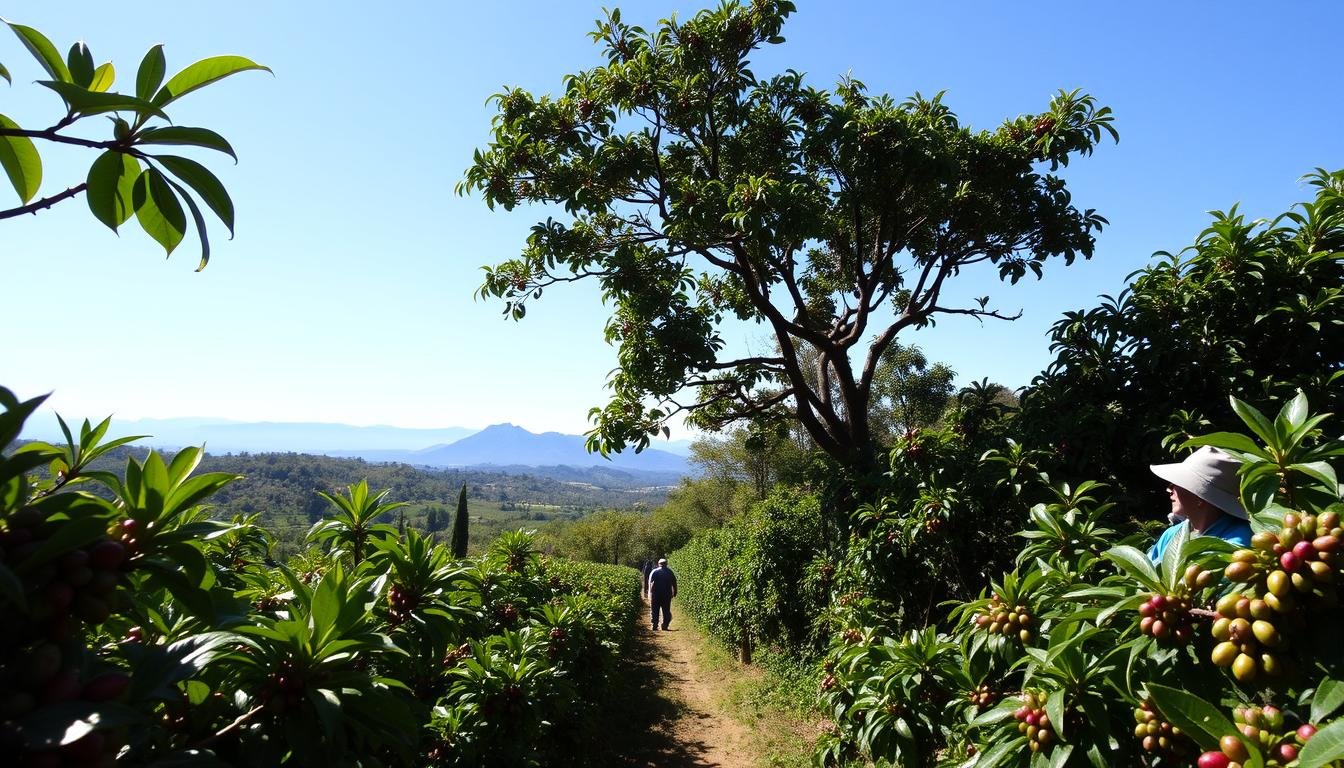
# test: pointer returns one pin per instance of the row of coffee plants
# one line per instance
(138, 631)
(756, 579)
(1088, 653)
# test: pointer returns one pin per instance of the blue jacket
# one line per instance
(662, 583)
(1225, 527)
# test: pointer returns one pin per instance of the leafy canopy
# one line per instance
(695, 191)
(132, 176)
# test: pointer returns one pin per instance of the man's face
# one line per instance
(1183, 502)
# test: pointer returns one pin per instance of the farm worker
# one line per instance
(1204, 492)
(662, 588)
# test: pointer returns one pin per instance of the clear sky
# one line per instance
(346, 295)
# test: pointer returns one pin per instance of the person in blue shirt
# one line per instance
(1205, 497)
(662, 588)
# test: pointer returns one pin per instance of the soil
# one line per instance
(675, 712)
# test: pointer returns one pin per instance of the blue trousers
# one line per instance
(661, 603)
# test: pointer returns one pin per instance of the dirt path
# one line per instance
(676, 713)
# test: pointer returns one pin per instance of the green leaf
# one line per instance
(1323, 748)
(196, 137)
(1054, 707)
(200, 179)
(328, 707)
(1171, 558)
(1254, 419)
(1294, 412)
(11, 588)
(158, 211)
(42, 50)
(1329, 696)
(21, 161)
(87, 102)
(80, 61)
(103, 77)
(5, 74)
(66, 722)
(1136, 564)
(71, 534)
(1199, 719)
(1235, 441)
(111, 185)
(200, 225)
(201, 74)
(1059, 756)
(1320, 471)
(150, 75)
(1001, 751)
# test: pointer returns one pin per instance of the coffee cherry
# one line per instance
(105, 687)
(1213, 760)
(1244, 668)
(107, 555)
(1234, 749)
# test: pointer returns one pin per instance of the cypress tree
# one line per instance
(460, 525)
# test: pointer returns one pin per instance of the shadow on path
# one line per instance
(641, 717)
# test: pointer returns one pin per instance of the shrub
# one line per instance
(1089, 654)
(140, 631)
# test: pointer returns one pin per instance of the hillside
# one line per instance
(282, 488)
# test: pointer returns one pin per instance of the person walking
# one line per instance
(662, 588)
(645, 568)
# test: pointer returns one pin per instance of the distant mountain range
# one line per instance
(505, 447)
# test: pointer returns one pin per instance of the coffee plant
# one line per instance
(1090, 653)
(140, 631)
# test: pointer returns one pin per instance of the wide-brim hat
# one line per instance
(1211, 475)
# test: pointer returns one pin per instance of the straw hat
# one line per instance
(1209, 474)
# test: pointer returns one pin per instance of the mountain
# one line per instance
(503, 447)
(225, 436)
(506, 445)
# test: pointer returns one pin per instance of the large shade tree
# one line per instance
(695, 191)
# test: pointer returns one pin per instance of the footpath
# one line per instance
(678, 711)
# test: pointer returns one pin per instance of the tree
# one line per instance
(1251, 309)
(695, 191)
(460, 523)
(603, 537)
(126, 179)
(908, 391)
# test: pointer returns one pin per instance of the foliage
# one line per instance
(696, 191)
(757, 579)
(939, 528)
(131, 176)
(908, 392)
(142, 632)
(1251, 309)
(280, 490)
(1056, 663)
(603, 537)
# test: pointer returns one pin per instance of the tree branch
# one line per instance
(50, 134)
(45, 202)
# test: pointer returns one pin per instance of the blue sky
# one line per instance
(346, 295)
